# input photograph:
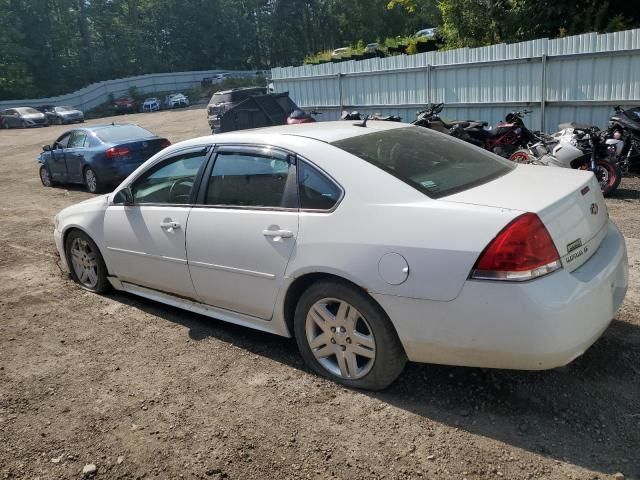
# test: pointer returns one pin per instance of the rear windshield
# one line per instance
(27, 110)
(235, 97)
(433, 163)
(122, 133)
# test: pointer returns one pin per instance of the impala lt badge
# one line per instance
(594, 209)
(574, 245)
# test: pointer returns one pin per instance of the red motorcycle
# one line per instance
(300, 116)
(504, 139)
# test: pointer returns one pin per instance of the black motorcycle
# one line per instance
(504, 139)
(623, 138)
(430, 118)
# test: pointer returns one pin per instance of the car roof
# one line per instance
(241, 89)
(93, 128)
(322, 131)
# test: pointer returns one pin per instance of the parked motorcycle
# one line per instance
(576, 146)
(301, 116)
(504, 139)
(430, 118)
(623, 138)
(355, 115)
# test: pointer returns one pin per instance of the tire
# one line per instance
(85, 262)
(91, 180)
(23, 124)
(5, 125)
(373, 335)
(521, 156)
(608, 175)
(58, 121)
(45, 176)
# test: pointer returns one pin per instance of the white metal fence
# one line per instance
(98, 93)
(577, 78)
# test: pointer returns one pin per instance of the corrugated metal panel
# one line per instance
(585, 76)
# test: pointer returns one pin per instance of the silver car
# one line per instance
(22, 117)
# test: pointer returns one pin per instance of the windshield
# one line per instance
(122, 133)
(27, 110)
(431, 162)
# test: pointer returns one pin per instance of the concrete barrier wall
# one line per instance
(97, 93)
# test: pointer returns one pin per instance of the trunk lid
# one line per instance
(141, 150)
(569, 203)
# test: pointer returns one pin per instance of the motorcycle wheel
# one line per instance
(608, 176)
(520, 156)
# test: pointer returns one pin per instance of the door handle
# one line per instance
(170, 225)
(277, 234)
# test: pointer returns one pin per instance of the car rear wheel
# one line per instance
(45, 176)
(91, 180)
(344, 335)
(85, 262)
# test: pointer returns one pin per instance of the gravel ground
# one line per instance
(141, 390)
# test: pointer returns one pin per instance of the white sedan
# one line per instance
(370, 244)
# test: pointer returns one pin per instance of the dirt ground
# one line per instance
(143, 390)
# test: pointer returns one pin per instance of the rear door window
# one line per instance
(431, 162)
(248, 179)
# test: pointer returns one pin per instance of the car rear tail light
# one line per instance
(117, 152)
(523, 250)
(164, 143)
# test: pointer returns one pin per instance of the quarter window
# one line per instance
(316, 191)
(248, 180)
(171, 183)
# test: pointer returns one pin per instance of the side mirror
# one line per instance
(46, 148)
(123, 197)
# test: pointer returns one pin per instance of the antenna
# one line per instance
(364, 122)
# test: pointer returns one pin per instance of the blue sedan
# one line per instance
(98, 156)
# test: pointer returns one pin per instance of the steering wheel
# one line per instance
(174, 193)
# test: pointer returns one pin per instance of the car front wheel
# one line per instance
(86, 263)
(45, 176)
(344, 335)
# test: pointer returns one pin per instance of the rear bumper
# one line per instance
(534, 325)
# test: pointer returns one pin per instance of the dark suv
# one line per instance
(222, 101)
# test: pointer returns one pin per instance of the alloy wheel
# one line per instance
(84, 262)
(45, 177)
(340, 338)
(90, 180)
